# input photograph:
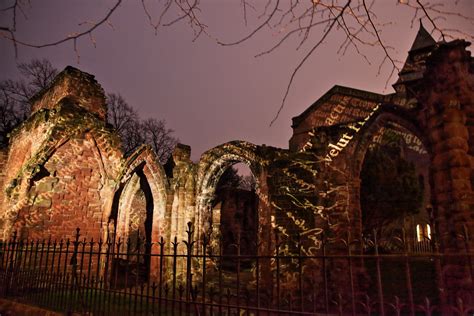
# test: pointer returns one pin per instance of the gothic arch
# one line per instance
(142, 169)
(211, 166)
(386, 118)
(383, 119)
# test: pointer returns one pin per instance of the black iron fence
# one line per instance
(132, 276)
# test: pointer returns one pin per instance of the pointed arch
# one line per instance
(142, 168)
(388, 119)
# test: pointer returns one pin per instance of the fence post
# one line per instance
(205, 243)
(277, 259)
(325, 272)
(465, 233)
(175, 244)
(300, 273)
(160, 284)
(9, 272)
(439, 276)
(379, 275)
(75, 284)
(348, 244)
(408, 273)
(189, 251)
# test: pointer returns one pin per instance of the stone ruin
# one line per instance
(64, 167)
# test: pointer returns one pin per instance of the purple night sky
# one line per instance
(207, 93)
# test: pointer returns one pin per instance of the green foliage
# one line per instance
(390, 187)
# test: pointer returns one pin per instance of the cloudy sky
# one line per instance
(208, 93)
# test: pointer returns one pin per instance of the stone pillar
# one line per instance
(446, 94)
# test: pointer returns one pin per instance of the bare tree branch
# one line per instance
(381, 44)
(72, 37)
(430, 19)
(135, 132)
(270, 16)
(357, 20)
(15, 94)
(323, 37)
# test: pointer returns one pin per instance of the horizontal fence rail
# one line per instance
(183, 277)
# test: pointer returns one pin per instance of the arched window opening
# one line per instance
(133, 219)
(234, 215)
(423, 232)
(395, 205)
(395, 189)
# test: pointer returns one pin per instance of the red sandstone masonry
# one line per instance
(73, 83)
(86, 169)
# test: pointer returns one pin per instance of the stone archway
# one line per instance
(393, 200)
(139, 204)
(212, 165)
(387, 127)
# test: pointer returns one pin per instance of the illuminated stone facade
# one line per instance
(433, 113)
(64, 167)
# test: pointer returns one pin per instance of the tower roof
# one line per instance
(423, 39)
(415, 63)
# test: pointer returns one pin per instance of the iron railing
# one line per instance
(131, 277)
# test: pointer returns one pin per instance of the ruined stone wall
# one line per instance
(74, 84)
(65, 168)
(62, 164)
(67, 197)
(182, 192)
(25, 141)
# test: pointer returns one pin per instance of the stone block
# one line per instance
(461, 186)
(456, 130)
(460, 173)
(46, 185)
(43, 202)
(452, 158)
(454, 116)
(451, 143)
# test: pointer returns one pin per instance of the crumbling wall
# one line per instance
(75, 84)
(62, 163)
(25, 141)
(65, 194)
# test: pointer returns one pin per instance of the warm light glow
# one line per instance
(423, 232)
